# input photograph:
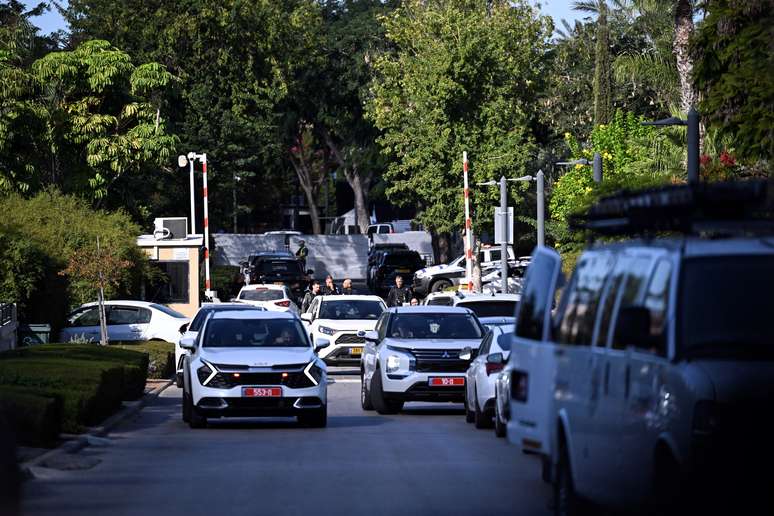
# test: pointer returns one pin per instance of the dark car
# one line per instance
(375, 253)
(277, 268)
(393, 263)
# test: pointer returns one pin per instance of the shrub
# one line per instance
(36, 418)
(160, 355)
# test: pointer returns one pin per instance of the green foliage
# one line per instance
(733, 72)
(22, 268)
(160, 356)
(602, 79)
(459, 79)
(35, 418)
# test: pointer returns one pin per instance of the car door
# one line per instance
(124, 323)
(368, 358)
(476, 366)
(83, 323)
(532, 359)
(579, 366)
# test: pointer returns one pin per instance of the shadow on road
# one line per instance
(433, 411)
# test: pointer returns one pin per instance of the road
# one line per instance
(426, 460)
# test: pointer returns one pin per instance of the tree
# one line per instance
(733, 74)
(602, 80)
(683, 10)
(461, 77)
(311, 164)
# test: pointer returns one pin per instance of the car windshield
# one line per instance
(434, 326)
(167, 310)
(490, 308)
(403, 260)
(247, 333)
(504, 339)
(356, 309)
(279, 267)
(261, 294)
(441, 301)
(202, 314)
(726, 306)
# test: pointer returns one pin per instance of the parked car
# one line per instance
(126, 321)
(439, 298)
(502, 403)
(269, 297)
(380, 229)
(392, 264)
(278, 269)
(413, 354)
(440, 277)
(375, 253)
(655, 375)
(488, 305)
(482, 373)
(191, 330)
(340, 319)
(254, 363)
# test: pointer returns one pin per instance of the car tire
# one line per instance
(365, 395)
(317, 418)
(186, 408)
(383, 406)
(195, 419)
(479, 418)
(440, 285)
(469, 416)
(566, 500)
(179, 380)
(500, 428)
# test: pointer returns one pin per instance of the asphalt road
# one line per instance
(426, 460)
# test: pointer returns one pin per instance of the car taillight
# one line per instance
(519, 386)
(493, 368)
(285, 303)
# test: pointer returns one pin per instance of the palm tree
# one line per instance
(683, 32)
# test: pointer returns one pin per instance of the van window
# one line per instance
(582, 299)
(635, 280)
(656, 299)
(609, 303)
(536, 296)
(494, 255)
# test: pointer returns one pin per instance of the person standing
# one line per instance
(310, 295)
(399, 294)
(330, 288)
(346, 287)
(302, 253)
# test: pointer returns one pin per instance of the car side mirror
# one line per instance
(306, 316)
(633, 327)
(310, 272)
(466, 353)
(188, 343)
(183, 328)
(495, 358)
(321, 344)
(370, 336)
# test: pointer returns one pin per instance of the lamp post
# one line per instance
(182, 161)
(190, 159)
(692, 124)
(596, 163)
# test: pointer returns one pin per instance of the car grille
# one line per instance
(294, 380)
(440, 361)
(350, 338)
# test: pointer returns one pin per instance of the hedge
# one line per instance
(161, 355)
(36, 418)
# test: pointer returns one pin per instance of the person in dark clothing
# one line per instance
(399, 294)
(346, 287)
(302, 253)
(310, 295)
(330, 288)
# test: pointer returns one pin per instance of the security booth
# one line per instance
(176, 256)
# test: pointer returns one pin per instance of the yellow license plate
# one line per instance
(355, 351)
(278, 283)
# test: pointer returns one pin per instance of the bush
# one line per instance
(160, 355)
(37, 419)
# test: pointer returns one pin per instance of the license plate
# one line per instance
(278, 283)
(403, 270)
(454, 381)
(355, 351)
(261, 392)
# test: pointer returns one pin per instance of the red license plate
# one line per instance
(261, 392)
(454, 381)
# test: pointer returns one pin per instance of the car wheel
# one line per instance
(365, 395)
(186, 408)
(479, 418)
(440, 285)
(179, 380)
(195, 419)
(499, 426)
(316, 418)
(469, 417)
(382, 405)
(566, 500)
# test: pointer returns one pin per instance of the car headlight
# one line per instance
(313, 372)
(326, 330)
(393, 363)
(419, 274)
(205, 373)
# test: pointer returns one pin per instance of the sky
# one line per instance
(51, 21)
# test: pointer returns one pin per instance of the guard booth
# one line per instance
(176, 255)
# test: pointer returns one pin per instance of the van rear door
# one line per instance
(532, 361)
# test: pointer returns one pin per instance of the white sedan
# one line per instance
(270, 297)
(482, 374)
(251, 364)
(126, 321)
(342, 320)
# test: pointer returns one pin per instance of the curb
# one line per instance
(82, 441)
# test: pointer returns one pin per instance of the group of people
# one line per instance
(399, 295)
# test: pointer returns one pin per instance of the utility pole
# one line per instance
(597, 168)
(504, 233)
(468, 226)
(541, 213)
(693, 146)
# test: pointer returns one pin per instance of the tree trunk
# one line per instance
(441, 247)
(359, 182)
(314, 214)
(476, 274)
(602, 86)
(683, 33)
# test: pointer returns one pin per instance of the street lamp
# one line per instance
(191, 158)
(504, 219)
(596, 163)
(693, 139)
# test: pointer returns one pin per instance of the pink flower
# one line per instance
(727, 159)
(704, 160)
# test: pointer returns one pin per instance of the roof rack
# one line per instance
(740, 207)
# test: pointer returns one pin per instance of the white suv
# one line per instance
(482, 375)
(254, 363)
(340, 319)
(414, 355)
(655, 374)
(268, 297)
